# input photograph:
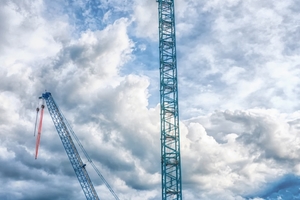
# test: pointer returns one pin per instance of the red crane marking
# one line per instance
(38, 139)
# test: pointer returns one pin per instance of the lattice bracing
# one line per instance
(63, 130)
(170, 139)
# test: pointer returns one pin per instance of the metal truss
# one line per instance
(170, 139)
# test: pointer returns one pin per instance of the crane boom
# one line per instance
(63, 131)
(170, 140)
(91, 162)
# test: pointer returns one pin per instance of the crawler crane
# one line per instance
(65, 131)
(170, 136)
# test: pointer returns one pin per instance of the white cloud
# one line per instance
(234, 55)
(239, 152)
(146, 19)
(223, 36)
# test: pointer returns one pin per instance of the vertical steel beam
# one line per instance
(170, 138)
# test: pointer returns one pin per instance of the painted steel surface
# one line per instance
(170, 137)
(63, 130)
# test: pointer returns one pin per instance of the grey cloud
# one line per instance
(240, 143)
(224, 64)
(224, 35)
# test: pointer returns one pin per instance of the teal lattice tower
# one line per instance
(170, 137)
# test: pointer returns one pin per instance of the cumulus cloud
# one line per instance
(238, 81)
(239, 48)
(146, 19)
(237, 153)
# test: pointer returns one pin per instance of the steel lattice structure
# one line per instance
(170, 137)
(63, 130)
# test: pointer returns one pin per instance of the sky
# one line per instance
(239, 85)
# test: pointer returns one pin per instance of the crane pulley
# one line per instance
(65, 131)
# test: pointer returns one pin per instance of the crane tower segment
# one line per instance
(63, 131)
(170, 137)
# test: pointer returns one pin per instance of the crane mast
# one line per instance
(64, 130)
(169, 114)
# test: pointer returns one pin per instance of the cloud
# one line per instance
(284, 187)
(231, 35)
(87, 68)
(146, 19)
(239, 152)
(238, 89)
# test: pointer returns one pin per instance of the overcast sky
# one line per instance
(239, 89)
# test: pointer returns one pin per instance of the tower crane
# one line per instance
(65, 131)
(169, 114)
